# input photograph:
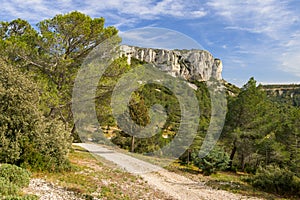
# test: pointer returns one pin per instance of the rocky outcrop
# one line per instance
(287, 94)
(189, 64)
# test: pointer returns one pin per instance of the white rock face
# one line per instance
(189, 64)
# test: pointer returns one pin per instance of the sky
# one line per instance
(253, 38)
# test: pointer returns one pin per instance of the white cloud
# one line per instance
(32, 10)
(35, 10)
(290, 57)
(270, 17)
(198, 14)
(152, 37)
(273, 20)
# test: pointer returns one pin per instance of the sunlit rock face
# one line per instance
(197, 65)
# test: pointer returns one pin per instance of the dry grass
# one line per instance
(94, 177)
(228, 181)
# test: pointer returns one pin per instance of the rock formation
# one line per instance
(193, 64)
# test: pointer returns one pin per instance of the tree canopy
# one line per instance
(52, 54)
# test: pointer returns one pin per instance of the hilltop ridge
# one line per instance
(191, 65)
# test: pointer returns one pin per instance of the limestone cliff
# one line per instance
(289, 94)
(189, 64)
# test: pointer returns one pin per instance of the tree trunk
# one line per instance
(75, 135)
(243, 162)
(232, 156)
(73, 129)
(132, 144)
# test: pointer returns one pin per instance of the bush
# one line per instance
(26, 137)
(12, 179)
(276, 180)
(49, 150)
(7, 188)
(215, 161)
(15, 175)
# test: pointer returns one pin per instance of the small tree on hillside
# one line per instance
(215, 161)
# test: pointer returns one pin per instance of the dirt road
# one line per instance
(172, 184)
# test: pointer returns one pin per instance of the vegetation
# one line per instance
(93, 176)
(52, 55)
(260, 135)
(38, 67)
(235, 182)
(215, 161)
(277, 180)
(287, 94)
(12, 179)
(27, 138)
(144, 98)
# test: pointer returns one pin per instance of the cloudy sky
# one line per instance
(252, 37)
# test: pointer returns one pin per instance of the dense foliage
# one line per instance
(27, 138)
(277, 180)
(12, 179)
(144, 98)
(52, 55)
(216, 160)
(262, 136)
(260, 131)
(38, 67)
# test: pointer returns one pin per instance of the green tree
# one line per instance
(204, 100)
(146, 97)
(247, 120)
(53, 53)
(18, 114)
(138, 113)
(287, 133)
(271, 151)
(105, 88)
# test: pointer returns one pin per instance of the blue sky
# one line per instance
(252, 38)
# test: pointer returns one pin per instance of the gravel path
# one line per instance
(172, 184)
(49, 191)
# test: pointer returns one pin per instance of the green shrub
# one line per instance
(50, 148)
(215, 161)
(7, 187)
(12, 179)
(276, 180)
(26, 138)
(15, 175)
